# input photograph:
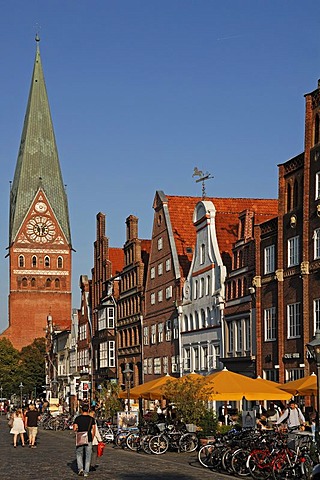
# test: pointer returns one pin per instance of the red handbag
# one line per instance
(100, 449)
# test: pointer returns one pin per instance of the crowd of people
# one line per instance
(22, 422)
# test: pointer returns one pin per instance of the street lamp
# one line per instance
(314, 350)
(21, 388)
(127, 374)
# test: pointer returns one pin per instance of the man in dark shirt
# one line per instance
(84, 423)
(31, 422)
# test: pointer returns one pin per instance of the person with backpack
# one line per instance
(292, 417)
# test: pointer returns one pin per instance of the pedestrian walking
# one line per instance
(31, 422)
(95, 440)
(292, 417)
(18, 428)
(85, 428)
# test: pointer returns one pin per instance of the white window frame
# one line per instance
(165, 363)
(112, 353)
(187, 359)
(316, 315)
(152, 272)
(269, 259)
(153, 334)
(294, 320)
(270, 326)
(160, 296)
(153, 298)
(157, 366)
(204, 357)
(168, 264)
(82, 331)
(145, 335)
(103, 354)
(160, 269)
(168, 331)
(316, 243)
(160, 243)
(145, 366)
(102, 319)
(110, 317)
(160, 332)
(293, 251)
(150, 366)
(169, 292)
(175, 328)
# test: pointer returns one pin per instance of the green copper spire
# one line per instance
(38, 162)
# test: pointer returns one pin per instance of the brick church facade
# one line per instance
(39, 231)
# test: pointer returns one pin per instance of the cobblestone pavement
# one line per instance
(54, 459)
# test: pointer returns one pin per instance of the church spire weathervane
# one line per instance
(203, 177)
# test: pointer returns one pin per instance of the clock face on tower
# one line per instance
(41, 229)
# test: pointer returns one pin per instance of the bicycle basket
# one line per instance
(191, 427)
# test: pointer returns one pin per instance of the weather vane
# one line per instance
(203, 177)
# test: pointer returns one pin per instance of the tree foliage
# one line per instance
(110, 402)
(26, 367)
(189, 396)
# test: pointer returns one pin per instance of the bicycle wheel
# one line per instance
(306, 465)
(133, 441)
(158, 444)
(239, 462)
(144, 443)
(258, 464)
(188, 442)
(120, 439)
(205, 455)
(226, 460)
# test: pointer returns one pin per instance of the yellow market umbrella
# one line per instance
(143, 389)
(157, 391)
(303, 386)
(228, 385)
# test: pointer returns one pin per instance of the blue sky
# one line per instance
(142, 91)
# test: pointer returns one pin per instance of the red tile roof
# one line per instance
(227, 220)
(116, 257)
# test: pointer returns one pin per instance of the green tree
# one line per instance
(32, 366)
(109, 398)
(190, 396)
(9, 368)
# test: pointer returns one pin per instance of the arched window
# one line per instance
(203, 319)
(34, 261)
(316, 130)
(47, 261)
(48, 282)
(60, 262)
(191, 322)
(57, 283)
(33, 282)
(196, 316)
(21, 261)
(24, 282)
(289, 194)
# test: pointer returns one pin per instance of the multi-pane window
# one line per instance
(196, 358)
(112, 353)
(21, 261)
(169, 292)
(239, 333)
(110, 317)
(269, 259)
(168, 264)
(168, 330)
(152, 272)
(316, 314)
(145, 335)
(293, 317)
(317, 178)
(270, 329)
(160, 332)
(102, 319)
(165, 364)
(174, 364)
(157, 366)
(187, 359)
(145, 366)
(82, 332)
(160, 295)
(103, 354)
(150, 365)
(160, 269)
(160, 243)
(153, 298)
(316, 243)
(293, 251)
(153, 334)
(230, 337)
(294, 374)
(204, 357)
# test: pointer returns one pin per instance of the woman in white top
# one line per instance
(18, 427)
(96, 439)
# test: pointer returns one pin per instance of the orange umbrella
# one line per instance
(157, 391)
(228, 385)
(303, 386)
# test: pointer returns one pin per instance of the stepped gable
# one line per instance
(227, 221)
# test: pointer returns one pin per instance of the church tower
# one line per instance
(39, 231)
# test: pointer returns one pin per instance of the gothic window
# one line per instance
(316, 129)
(34, 261)
(21, 261)
(48, 282)
(47, 261)
(60, 262)
(24, 282)
(57, 283)
(33, 282)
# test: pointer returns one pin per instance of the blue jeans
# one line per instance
(84, 450)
